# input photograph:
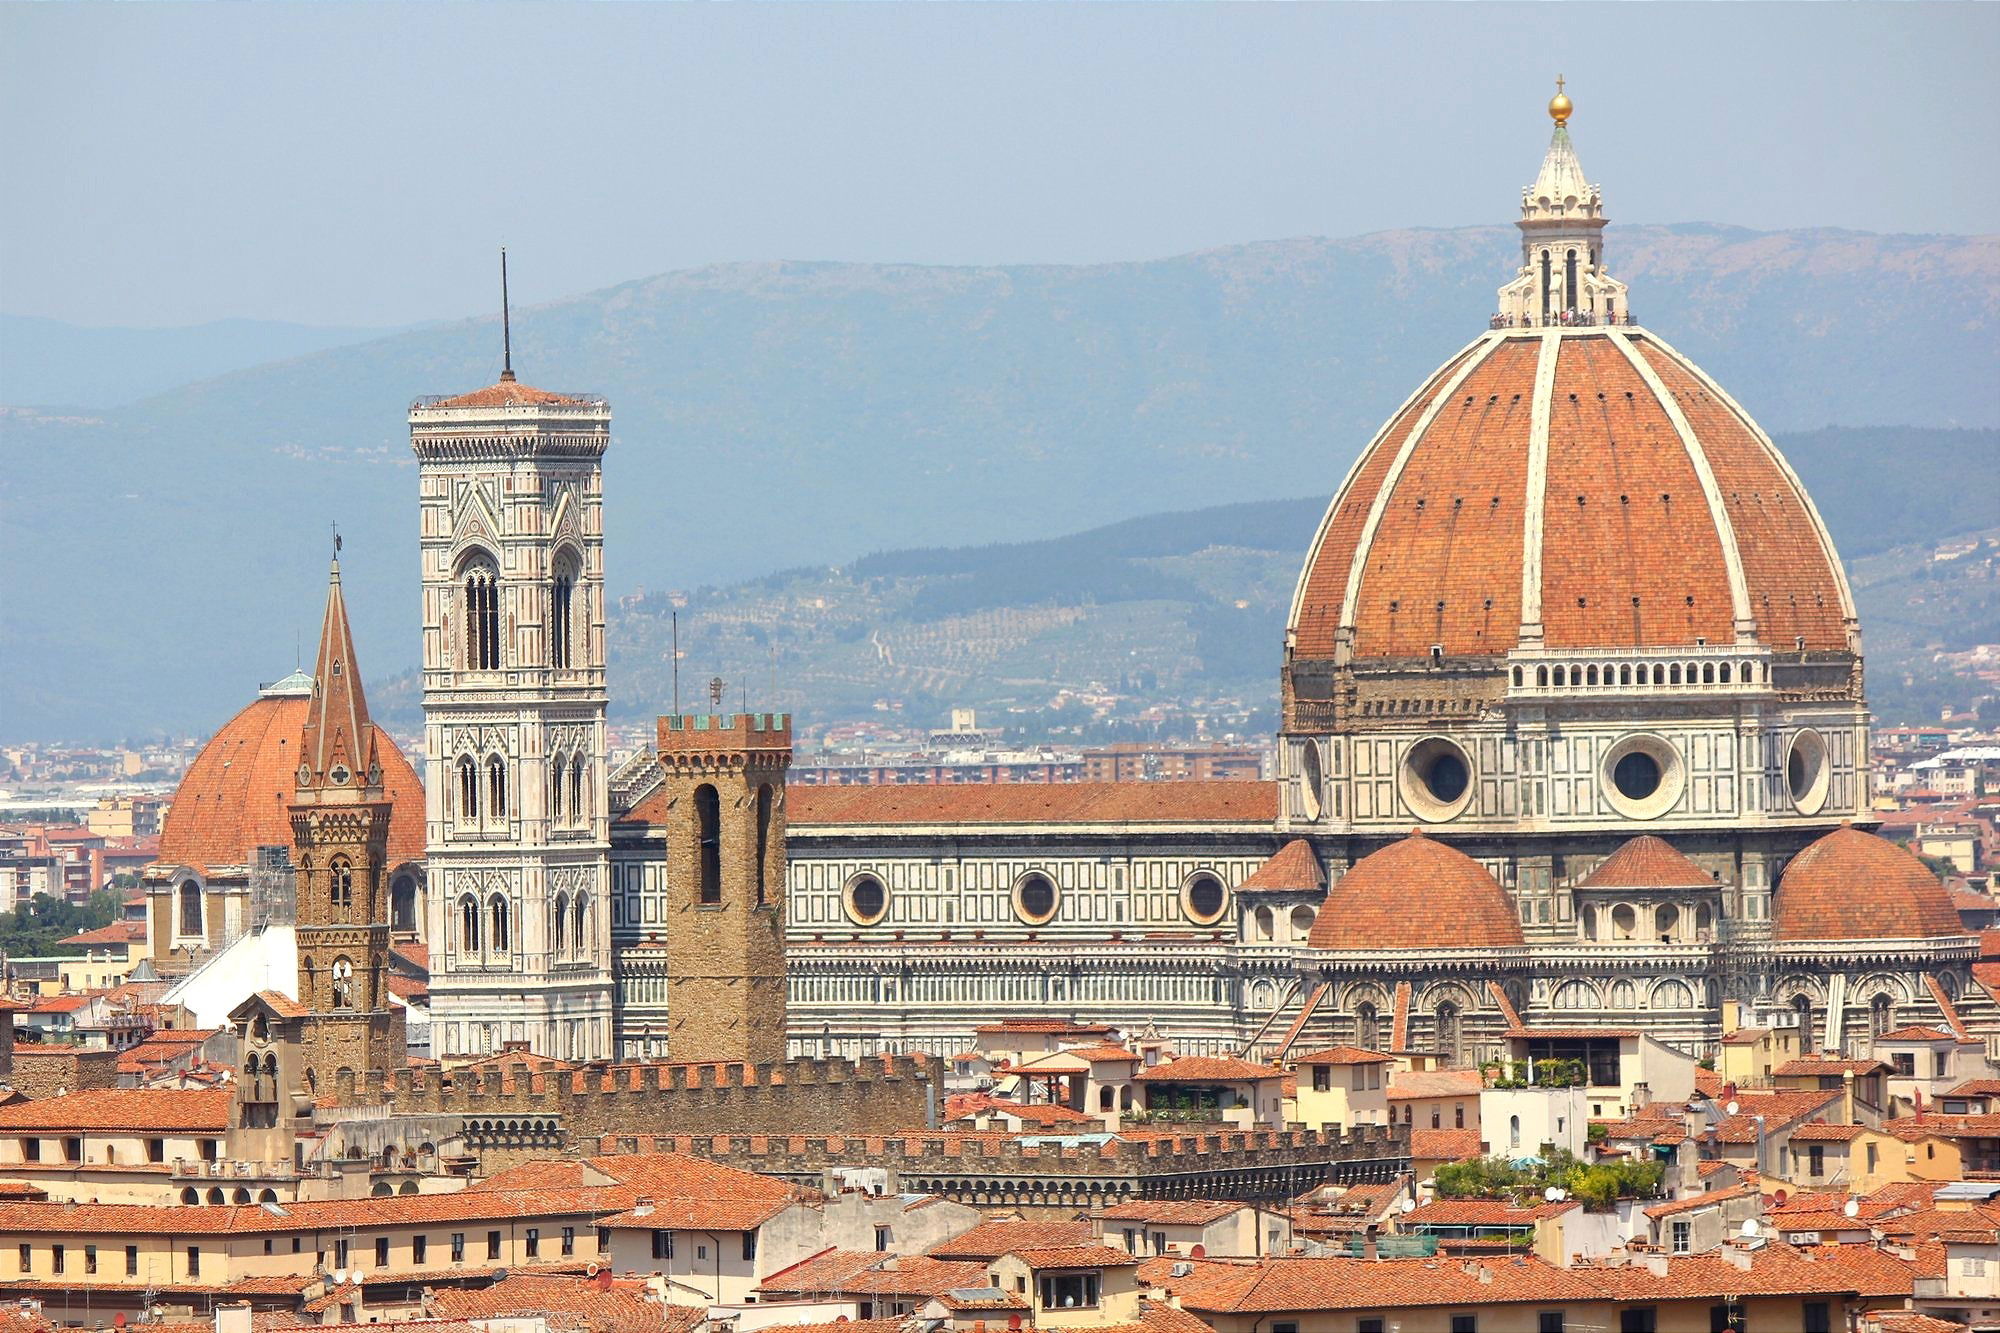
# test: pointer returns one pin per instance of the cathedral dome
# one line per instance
(1851, 885)
(1416, 893)
(237, 795)
(1570, 489)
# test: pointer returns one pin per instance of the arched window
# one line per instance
(1666, 921)
(1542, 676)
(1881, 1014)
(1623, 996)
(557, 792)
(498, 939)
(340, 885)
(579, 805)
(583, 931)
(1265, 924)
(1574, 995)
(1547, 292)
(1302, 921)
(482, 615)
(403, 902)
(496, 789)
(1587, 918)
(1802, 1006)
(763, 836)
(1725, 673)
(1513, 1131)
(343, 984)
(1367, 1026)
(190, 896)
(468, 790)
(560, 596)
(1672, 994)
(468, 925)
(708, 834)
(1447, 1032)
(1569, 282)
(1674, 674)
(558, 937)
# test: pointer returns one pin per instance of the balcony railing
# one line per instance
(1568, 319)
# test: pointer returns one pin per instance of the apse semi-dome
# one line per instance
(1416, 893)
(1851, 885)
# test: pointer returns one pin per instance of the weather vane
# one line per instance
(715, 687)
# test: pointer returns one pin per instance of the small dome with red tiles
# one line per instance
(1851, 885)
(1416, 893)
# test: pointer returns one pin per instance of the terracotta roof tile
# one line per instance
(168, 1110)
(507, 393)
(1294, 867)
(1344, 1055)
(1173, 1212)
(1206, 1069)
(990, 1240)
(1416, 893)
(1444, 1145)
(1647, 862)
(1696, 1202)
(1411, 1085)
(1851, 885)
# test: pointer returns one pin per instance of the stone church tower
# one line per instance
(512, 531)
(723, 804)
(340, 834)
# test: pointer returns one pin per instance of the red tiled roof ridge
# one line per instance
(1647, 862)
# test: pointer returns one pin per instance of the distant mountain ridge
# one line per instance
(769, 415)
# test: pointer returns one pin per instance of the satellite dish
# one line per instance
(1409, 1205)
(1778, 1198)
(1749, 1228)
(1852, 1208)
(339, 1277)
(1731, 1108)
(1551, 1194)
(357, 1277)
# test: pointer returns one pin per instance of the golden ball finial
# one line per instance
(1559, 105)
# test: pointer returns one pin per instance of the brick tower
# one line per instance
(340, 835)
(724, 800)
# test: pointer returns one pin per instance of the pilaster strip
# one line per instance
(1350, 601)
(1732, 558)
(1537, 490)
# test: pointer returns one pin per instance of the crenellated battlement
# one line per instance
(837, 1097)
(697, 739)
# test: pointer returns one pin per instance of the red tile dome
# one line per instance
(1416, 893)
(1851, 885)
(237, 794)
(1594, 469)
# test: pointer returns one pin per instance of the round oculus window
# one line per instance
(1806, 772)
(1436, 779)
(1035, 898)
(1643, 777)
(867, 899)
(1311, 779)
(1203, 898)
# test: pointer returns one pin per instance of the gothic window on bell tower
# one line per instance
(557, 793)
(469, 934)
(561, 627)
(468, 791)
(482, 614)
(496, 790)
(340, 886)
(708, 831)
(343, 983)
(498, 939)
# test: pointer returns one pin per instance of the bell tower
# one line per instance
(724, 799)
(517, 817)
(340, 835)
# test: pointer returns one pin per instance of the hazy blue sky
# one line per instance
(356, 164)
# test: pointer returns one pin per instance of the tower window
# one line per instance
(482, 617)
(559, 618)
(556, 790)
(579, 809)
(340, 885)
(496, 789)
(403, 903)
(584, 936)
(468, 790)
(763, 837)
(190, 896)
(468, 925)
(343, 984)
(496, 925)
(556, 936)
(708, 833)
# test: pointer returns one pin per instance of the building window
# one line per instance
(763, 838)
(190, 895)
(156, 1150)
(882, 1240)
(558, 937)
(343, 984)
(559, 618)
(534, 1247)
(556, 791)
(1681, 1235)
(1905, 1063)
(482, 617)
(340, 884)
(708, 833)
(403, 903)
(568, 1241)
(1371, 1324)
(1816, 1160)
(458, 1247)
(749, 1246)
(1726, 1318)
(1643, 1320)
(381, 1251)
(1465, 1323)
(1069, 1291)
(420, 1248)
(131, 1260)
(194, 1261)
(496, 790)
(1551, 1321)
(492, 1245)
(498, 939)
(468, 925)
(663, 1244)
(468, 790)
(58, 1261)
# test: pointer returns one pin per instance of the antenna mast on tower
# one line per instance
(506, 326)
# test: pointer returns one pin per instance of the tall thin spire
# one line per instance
(506, 326)
(337, 744)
